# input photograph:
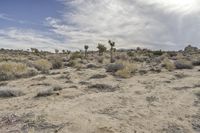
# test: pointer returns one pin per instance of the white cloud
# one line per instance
(5, 17)
(25, 39)
(154, 24)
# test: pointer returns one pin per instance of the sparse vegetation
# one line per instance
(45, 93)
(102, 88)
(86, 50)
(7, 92)
(93, 85)
(76, 55)
(114, 67)
(168, 64)
(127, 71)
(42, 65)
(101, 49)
(183, 64)
(56, 62)
(98, 76)
(13, 70)
(112, 45)
(57, 88)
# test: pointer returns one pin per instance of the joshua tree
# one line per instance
(63, 51)
(56, 51)
(131, 54)
(112, 44)
(68, 52)
(34, 50)
(101, 48)
(86, 48)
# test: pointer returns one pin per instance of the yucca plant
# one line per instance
(112, 44)
(86, 49)
(56, 51)
(101, 49)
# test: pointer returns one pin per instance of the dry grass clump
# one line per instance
(127, 71)
(45, 93)
(7, 93)
(197, 94)
(180, 75)
(91, 65)
(98, 76)
(102, 88)
(12, 70)
(42, 65)
(57, 88)
(114, 67)
(76, 55)
(169, 65)
(196, 62)
(56, 62)
(183, 64)
(72, 63)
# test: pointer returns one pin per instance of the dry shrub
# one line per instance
(76, 55)
(127, 71)
(45, 93)
(183, 64)
(196, 62)
(100, 60)
(169, 65)
(12, 70)
(42, 65)
(102, 88)
(8, 92)
(72, 63)
(75, 63)
(56, 62)
(114, 67)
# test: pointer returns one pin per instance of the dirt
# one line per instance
(150, 103)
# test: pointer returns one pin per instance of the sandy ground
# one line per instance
(153, 103)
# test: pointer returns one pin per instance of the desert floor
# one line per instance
(152, 103)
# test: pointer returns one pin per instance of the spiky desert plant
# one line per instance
(35, 51)
(63, 51)
(86, 49)
(101, 49)
(112, 44)
(56, 51)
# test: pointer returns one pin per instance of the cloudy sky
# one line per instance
(70, 24)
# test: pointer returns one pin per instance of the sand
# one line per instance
(151, 103)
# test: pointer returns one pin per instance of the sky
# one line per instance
(71, 24)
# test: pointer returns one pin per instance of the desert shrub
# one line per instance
(180, 75)
(169, 65)
(100, 60)
(98, 76)
(42, 65)
(102, 88)
(72, 63)
(76, 55)
(56, 62)
(91, 65)
(7, 92)
(12, 70)
(179, 56)
(127, 71)
(196, 62)
(157, 53)
(45, 93)
(57, 88)
(183, 64)
(114, 67)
